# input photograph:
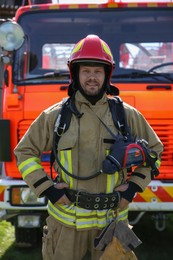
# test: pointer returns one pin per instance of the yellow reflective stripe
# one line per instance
(91, 222)
(24, 163)
(80, 218)
(158, 163)
(78, 47)
(57, 214)
(80, 212)
(63, 162)
(112, 179)
(69, 159)
(29, 165)
(106, 49)
(110, 183)
(107, 151)
(66, 161)
(122, 215)
(116, 178)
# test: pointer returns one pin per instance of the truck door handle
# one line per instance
(168, 87)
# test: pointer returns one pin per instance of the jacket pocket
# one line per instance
(50, 237)
(47, 244)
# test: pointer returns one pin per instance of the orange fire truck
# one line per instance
(35, 47)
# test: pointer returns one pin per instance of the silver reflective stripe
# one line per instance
(68, 219)
(122, 215)
(91, 222)
(112, 180)
(79, 217)
(82, 218)
(29, 165)
(66, 161)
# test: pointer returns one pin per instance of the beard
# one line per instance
(93, 95)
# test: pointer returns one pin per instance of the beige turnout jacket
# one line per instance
(88, 140)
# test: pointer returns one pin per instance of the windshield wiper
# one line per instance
(160, 66)
(143, 74)
(51, 75)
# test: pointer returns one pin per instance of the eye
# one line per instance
(85, 71)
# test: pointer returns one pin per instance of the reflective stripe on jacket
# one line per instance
(84, 219)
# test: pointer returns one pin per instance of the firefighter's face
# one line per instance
(91, 79)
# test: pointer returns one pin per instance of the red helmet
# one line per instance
(91, 49)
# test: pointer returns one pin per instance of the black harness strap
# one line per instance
(119, 116)
(61, 126)
(63, 122)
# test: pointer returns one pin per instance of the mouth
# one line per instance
(92, 85)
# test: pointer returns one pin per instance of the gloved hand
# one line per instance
(62, 200)
(114, 160)
(123, 154)
(57, 194)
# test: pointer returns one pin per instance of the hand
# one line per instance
(123, 204)
(63, 200)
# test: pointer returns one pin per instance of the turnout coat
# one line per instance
(81, 150)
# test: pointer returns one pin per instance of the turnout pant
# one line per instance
(60, 242)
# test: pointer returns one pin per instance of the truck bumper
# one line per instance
(158, 196)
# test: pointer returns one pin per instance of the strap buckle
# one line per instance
(77, 195)
(61, 130)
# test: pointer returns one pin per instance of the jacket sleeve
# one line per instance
(141, 129)
(38, 139)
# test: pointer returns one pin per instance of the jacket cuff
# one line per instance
(53, 194)
(130, 192)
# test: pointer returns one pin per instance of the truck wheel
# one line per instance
(28, 237)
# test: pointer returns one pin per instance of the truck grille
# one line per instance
(165, 132)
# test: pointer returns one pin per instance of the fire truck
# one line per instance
(35, 46)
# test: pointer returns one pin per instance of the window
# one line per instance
(55, 55)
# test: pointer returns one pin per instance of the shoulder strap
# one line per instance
(119, 116)
(64, 118)
(62, 124)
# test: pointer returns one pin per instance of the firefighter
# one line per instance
(83, 199)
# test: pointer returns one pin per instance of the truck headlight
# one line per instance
(11, 36)
(24, 196)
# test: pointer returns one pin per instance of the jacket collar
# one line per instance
(81, 99)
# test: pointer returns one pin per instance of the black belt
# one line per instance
(93, 201)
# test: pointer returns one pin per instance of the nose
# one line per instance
(92, 75)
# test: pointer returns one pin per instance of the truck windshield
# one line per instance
(141, 40)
